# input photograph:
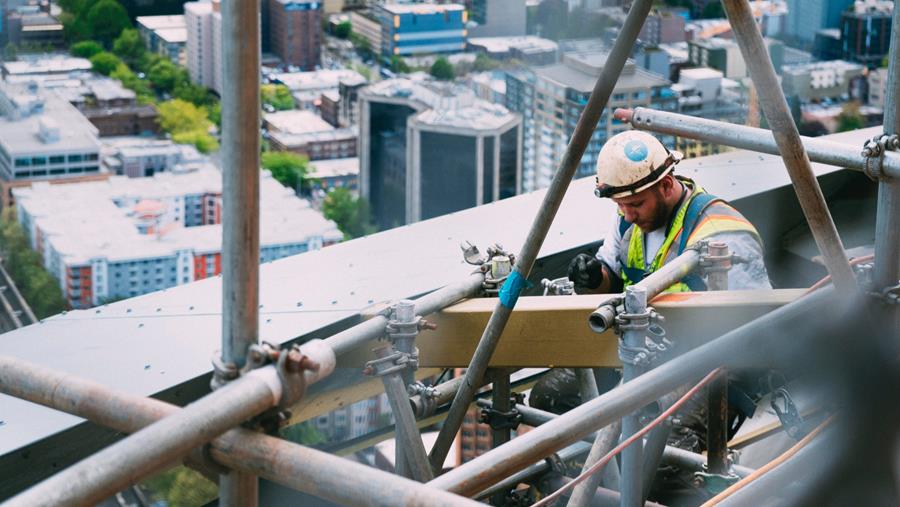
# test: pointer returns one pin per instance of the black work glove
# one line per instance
(586, 271)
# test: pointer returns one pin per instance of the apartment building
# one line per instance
(126, 237)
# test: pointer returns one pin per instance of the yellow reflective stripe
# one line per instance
(718, 224)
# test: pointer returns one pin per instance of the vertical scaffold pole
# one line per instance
(633, 339)
(539, 228)
(240, 203)
(887, 223)
(775, 107)
(717, 413)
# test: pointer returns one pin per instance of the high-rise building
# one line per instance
(866, 32)
(409, 29)
(725, 55)
(806, 17)
(663, 26)
(204, 43)
(295, 31)
(165, 35)
(430, 148)
(819, 80)
(497, 18)
(552, 98)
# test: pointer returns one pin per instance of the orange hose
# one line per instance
(734, 488)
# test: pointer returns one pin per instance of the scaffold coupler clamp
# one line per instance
(714, 483)
(655, 343)
(427, 399)
(558, 287)
(891, 294)
(873, 151)
(496, 265)
(500, 420)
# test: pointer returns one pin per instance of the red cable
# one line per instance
(605, 459)
(824, 281)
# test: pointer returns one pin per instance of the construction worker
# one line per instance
(660, 215)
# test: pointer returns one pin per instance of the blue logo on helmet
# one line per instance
(636, 151)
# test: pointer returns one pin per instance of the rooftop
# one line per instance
(296, 122)
(82, 220)
(580, 71)
(46, 65)
(528, 43)
(701, 73)
(333, 168)
(835, 65)
(32, 112)
(444, 104)
(315, 80)
(161, 22)
(173, 35)
(150, 327)
(421, 9)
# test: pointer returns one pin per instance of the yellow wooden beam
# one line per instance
(547, 331)
(544, 332)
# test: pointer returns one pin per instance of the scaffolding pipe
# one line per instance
(240, 204)
(374, 328)
(606, 440)
(534, 471)
(745, 346)
(151, 449)
(887, 221)
(425, 404)
(304, 469)
(603, 318)
(750, 138)
(539, 228)
(673, 455)
(775, 107)
(655, 443)
(411, 456)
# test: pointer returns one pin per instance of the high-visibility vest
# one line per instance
(701, 215)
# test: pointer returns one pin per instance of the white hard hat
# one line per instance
(632, 161)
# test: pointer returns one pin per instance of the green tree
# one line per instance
(86, 48)
(343, 30)
(398, 65)
(105, 21)
(164, 75)
(850, 118)
(130, 80)
(304, 433)
(484, 63)
(10, 53)
(277, 96)
(187, 91)
(177, 116)
(105, 63)
(181, 487)
(351, 214)
(713, 10)
(289, 169)
(39, 288)
(442, 69)
(129, 46)
(204, 142)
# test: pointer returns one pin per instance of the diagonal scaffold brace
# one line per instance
(539, 228)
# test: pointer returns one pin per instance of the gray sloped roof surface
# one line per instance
(150, 343)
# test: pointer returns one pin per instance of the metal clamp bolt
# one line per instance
(392, 363)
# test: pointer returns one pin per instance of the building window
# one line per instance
(75, 158)
(39, 160)
(23, 162)
(57, 159)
